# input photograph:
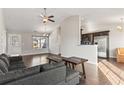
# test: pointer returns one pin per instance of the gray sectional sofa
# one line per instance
(15, 73)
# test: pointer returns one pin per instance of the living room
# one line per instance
(26, 38)
(38, 54)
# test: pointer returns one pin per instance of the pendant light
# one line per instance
(120, 27)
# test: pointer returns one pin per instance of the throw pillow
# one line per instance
(1, 73)
(3, 66)
(5, 60)
(5, 56)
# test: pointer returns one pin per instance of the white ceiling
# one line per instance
(27, 19)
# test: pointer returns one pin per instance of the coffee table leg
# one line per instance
(65, 63)
(73, 66)
(49, 61)
(84, 74)
(69, 65)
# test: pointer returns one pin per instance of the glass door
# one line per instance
(102, 42)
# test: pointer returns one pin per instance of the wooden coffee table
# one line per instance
(54, 58)
(76, 61)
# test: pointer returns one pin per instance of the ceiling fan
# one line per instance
(46, 18)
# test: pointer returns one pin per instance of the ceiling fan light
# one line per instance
(45, 20)
(120, 28)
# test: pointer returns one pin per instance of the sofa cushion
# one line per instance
(46, 67)
(18, 74)
(51, 66)
(6, 77)
(70, 74)
(3, 66)
(27, 71)
(16, 66)
(58, 64)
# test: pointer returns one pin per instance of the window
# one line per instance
(40, 42)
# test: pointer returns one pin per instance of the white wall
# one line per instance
(70, 41)
(2, 34)
(54, 41)
(26, 43)
(116, 38)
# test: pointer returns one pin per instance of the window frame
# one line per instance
(47, 43)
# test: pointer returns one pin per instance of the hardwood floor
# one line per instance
(115, 63)
(113, 70)
(93, 74)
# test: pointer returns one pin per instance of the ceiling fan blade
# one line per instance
(50, 16)
(41, 15)
(51, 20)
